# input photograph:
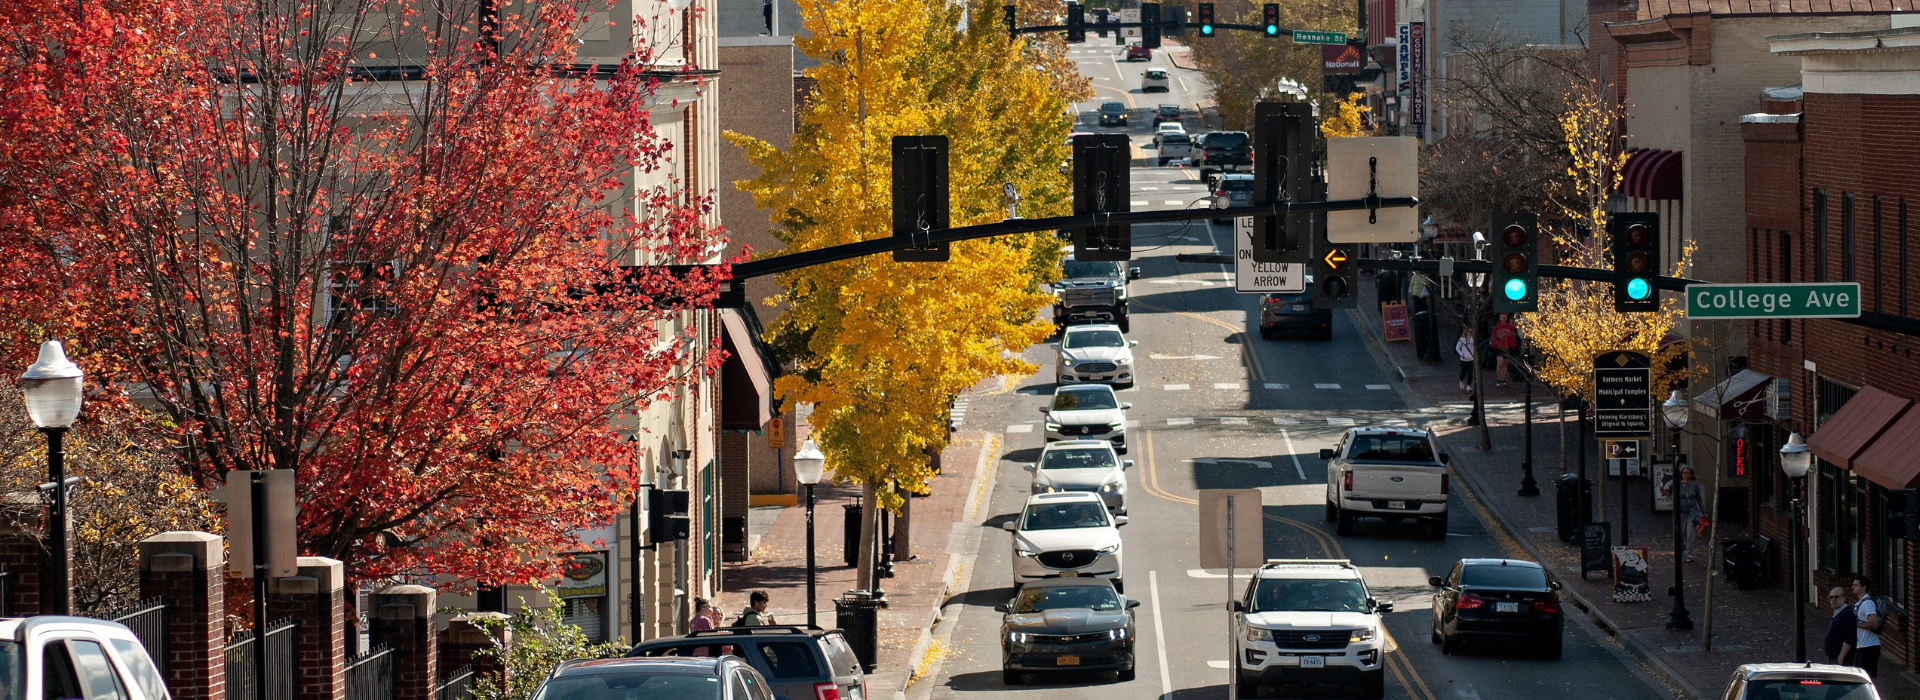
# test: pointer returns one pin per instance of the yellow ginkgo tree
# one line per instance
(879, 347)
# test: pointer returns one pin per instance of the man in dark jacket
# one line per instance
(1840, 629)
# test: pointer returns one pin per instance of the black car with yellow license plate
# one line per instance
(1284, 312)
(1066, 624)
(1500, 600)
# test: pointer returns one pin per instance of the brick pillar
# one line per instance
(462, 640)
(187, 569)
(22, 554)
(402, 617)
(316, 600)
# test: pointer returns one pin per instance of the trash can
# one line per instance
(857, 615)
(852, 539)
(1744, 561)
(1571, 505)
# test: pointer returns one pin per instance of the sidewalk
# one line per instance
(1748, 626)
(778, 564)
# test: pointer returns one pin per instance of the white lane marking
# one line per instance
(1158, 356)
(1176, 387)
(1020, 428)
(1285, 421)
(1159, 638)
(1292, 453)
(1231, 420)
(1203, 573)
(1326, 386)
(1179, 421)
(1218, 663)
(1340, 422)
(1145, 189)
(1228, 386)
(1138, 202)
(1379, 387)
(1271, 385)
(1173, 202)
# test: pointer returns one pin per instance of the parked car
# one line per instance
(1088, 466)
(1066, 534)
(1800, 681)
(1305, 621)
(1095, 353)
(713, 678)
(1282, 312)
(1154, 79)
(1139, 52)
(52, 656)
(1173, 146)
(801, 663)
(1230, 190)
(1390, 473)
(1504, 600)
(1113, 114)
(1224, 151)
(1087, 411)
(1166, 113)
(1072, 624)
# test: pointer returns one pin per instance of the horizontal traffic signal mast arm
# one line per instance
(1096, 26)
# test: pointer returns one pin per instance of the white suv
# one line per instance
(1310, 621)
(1087, 466)
(1066, 534)
(1095, 353)
(1087, 412)
(75, 657)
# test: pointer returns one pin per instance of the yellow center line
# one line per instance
(1247, 348)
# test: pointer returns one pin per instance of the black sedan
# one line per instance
(1066, 624)
(1293, 312)
(1506, 600)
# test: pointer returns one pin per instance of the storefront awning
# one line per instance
(1651, 173)
(1891, 460)
(1848, 433)
(746, 376)
(1742, 396)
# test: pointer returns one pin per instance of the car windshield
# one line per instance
(1316, 595)
(1077, 459)
(1808, 689)
(1494, 576)
(1044, 598)
(632, 685)
(1113, 107)
(1392, 448)
(1226, 139)
(1074, 269)
(1084, 400)
(1065, 516)
(1095, 339)
(1170, 110)
(1156, 74)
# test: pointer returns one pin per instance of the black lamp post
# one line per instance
(52, 386)
(1795, 460)
(809, 465)
(1674, 410)
(1528, 487)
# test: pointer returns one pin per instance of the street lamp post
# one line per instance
(1528, 487)
(809, 464)
(1674, 410)
(52, 386)
(1795, 460)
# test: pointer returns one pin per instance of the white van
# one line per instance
(1154, 79)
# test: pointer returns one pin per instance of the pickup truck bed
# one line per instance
(1392, 489)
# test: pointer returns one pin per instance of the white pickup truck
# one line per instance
(1390, 473)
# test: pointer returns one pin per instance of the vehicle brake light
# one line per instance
(826, 691)
(1547, 606)
(1221, 193)
(1809, 682)
(1468, 601)
(1444, 481)
(1346, 481)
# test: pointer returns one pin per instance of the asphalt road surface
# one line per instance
(1217, 407)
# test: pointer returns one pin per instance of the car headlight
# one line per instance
(1117, 425)
(1018, 637)
(1123, 361)
(1108, 550)
(1255, 634)
(1109, 488)
(1066, 362)
(1024, 553)
(1055, 427)
(1120, 633)
(1363, 635)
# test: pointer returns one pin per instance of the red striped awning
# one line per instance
(1651, 173)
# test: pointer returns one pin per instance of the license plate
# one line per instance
(1067, 661)
(1402, 505)
(1313, 662)
(1506, 607)
(1301, 307)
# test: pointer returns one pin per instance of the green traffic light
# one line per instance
(1336, 288)
(1272, 30)
(1638, 289)
(1515, 289)
(1206, 29)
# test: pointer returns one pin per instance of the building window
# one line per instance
(1890, 562)
(1846, 238)
(1819, 236)
(1842, 520)
(1832, 395)
(1826, 525)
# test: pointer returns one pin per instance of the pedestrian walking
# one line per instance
(755, 614)
(1506, 339)
(1693, 510)
(1464, 348)
(704, 616)
(1842, 629)
(1866, 613)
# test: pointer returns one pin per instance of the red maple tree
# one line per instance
(372, 241)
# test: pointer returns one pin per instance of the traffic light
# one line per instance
(667, 516)
(1335, 282)
(1270, 19)
(1013, 22)
(1203, 16)
(1150, 25)
(1076, 23)
(1516, 272)
(1175, 18)
(920, 196)
(1903, 514)
(1635, 242)
(1100, 19)
(1283, 153)
(1100, 166)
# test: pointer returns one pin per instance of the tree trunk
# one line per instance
(903, 529)
(869, 534)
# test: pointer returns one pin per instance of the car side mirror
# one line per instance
(1126, 404)
(1009, 526)
(1126, 464)
(1239, 607)
(1553, 585)
(1131, 604)
(1046, 409)
(1133, 273)
(1383, 608)
(1119, 520)
(1134, 343)
(1028, 467)
(1326, 453)
(1000, 608)
(1434, 581)
(1446, 458)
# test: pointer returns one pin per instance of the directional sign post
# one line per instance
(1778, 300)
(1622, 396)
(1305, 37)
(1258, 277)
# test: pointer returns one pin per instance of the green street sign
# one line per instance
(1300, 37)
(1775, 300)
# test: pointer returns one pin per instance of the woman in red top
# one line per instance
(1505, 340)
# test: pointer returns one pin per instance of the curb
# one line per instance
(983, 478)
(1376, 344)
(1638, 649)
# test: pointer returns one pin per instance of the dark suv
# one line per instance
(1223, 151)
(1113, 114)
(1293, 311)
(799, 663)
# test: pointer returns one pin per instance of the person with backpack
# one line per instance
(755, 615)
(1842, 629)
(1866, 610)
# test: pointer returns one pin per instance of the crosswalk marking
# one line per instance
(1233, 420)
(1020, 428)
(1179, 421)
(1379, 387)
(1340, 422)
(1271, 385)
(1138, 202)
(1326, 386)
(1173, 202)
(1285, 421)
(1148, 188)
(1227, 385)
(1176, 387)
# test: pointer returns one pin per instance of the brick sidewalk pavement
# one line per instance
(1748, 626)
(919, 586)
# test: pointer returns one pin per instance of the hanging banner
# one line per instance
(1417, 66)
(1663, 486)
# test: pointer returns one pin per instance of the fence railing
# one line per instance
(458, 686)
(243, 653)
(148, 620)
(370, 675)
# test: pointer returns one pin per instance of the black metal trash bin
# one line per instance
(851, 541)
(1571, 512)
(1743, 561)
(857, 615)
